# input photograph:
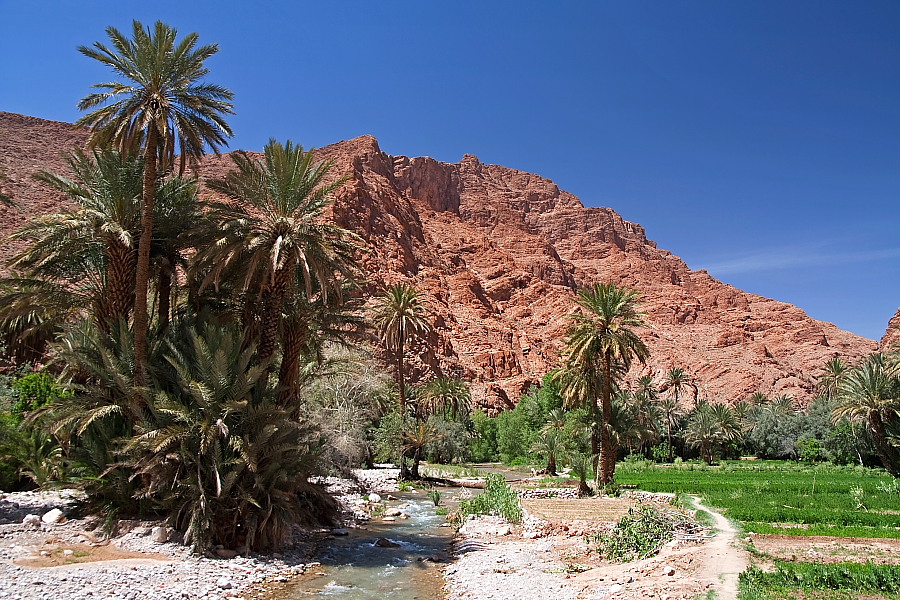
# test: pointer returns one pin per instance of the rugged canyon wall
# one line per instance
(500, 254)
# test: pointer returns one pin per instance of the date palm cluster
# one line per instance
(185, 325)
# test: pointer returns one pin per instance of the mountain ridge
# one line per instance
(499, 253)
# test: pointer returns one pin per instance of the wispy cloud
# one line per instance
(791, 257)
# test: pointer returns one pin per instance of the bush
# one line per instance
(483, 444)
(497, 499)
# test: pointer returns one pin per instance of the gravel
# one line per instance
(177, 575)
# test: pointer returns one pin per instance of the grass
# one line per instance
(450, 471)
(822, 497)
(839, 580)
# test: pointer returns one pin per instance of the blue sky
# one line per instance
(759, 140)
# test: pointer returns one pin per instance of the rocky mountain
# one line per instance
(500, 254)
(891, 337)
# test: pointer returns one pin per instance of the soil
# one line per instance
(492, 563)
(827, 549)
(52, 553)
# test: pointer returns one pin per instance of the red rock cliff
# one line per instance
(500, 253)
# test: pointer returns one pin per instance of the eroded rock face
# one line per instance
(500, 253)
(891, 338)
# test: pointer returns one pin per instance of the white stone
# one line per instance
(32, 520)
(68, 552)
(224, 583)
(160, 534)
(668, 570)
(374, 498)
(53, 516)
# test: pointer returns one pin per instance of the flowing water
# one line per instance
(356, 568)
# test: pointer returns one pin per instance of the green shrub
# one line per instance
(497, 499)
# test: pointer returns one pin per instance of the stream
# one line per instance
(356, 567)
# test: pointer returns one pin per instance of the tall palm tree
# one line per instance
(401, 315)
(871, 393)
(671, 413)
(272, 238)
(677, 380)
(445, 395)
(161, 104)
(599, 340)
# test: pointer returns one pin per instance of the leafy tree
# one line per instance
(483, 443)
(161, 106)
(600, 347)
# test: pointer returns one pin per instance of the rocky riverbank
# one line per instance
(46, 558)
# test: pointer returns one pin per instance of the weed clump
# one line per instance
(641, 533)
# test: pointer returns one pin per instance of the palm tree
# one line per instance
(161, 104)
(413, 440)
(222, 456)
(709, 426)
(272, 237)
(600, 341)
(308, 328)
(671, 414)
(833, 374)
(678, 380)
(444, 395)
(551, 443)
(401, 315)
(871, 393)
(95, 241)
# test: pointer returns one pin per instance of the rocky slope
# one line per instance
(891, 337)
(500, 253)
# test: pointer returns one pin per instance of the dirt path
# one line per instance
(726, 560)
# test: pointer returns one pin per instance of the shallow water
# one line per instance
(355, 568)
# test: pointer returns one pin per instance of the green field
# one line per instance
(824, 582)
(808, 499)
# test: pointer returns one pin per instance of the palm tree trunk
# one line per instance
(400, 377)
(142, 269)
(292, 341)
(607, 452)
(165, 296)
(595, 438)
(118, 296)
(886, 452)
(551, 465)
(271, 314)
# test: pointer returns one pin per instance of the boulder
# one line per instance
(160, 534)
(386, 543)
(33, 520)
(53, 517)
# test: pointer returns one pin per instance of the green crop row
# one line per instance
(839, 580)
(864, 500)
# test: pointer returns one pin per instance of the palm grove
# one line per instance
(203, 349)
